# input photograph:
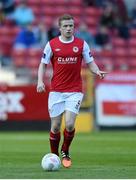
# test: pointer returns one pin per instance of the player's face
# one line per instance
(67, 28)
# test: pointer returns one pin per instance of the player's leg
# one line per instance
(72, 107)
(55, 134)
(69, 133)
(56, 109)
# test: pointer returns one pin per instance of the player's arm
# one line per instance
(40, 83)
(42, 67)
(93, 68)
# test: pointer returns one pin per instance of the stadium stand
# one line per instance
(122, 55)
(19, 57)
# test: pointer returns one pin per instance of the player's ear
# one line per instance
(59, 28)
(59, 25)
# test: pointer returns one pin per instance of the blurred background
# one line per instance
(108, 26)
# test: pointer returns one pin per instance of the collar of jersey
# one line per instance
(66, 41)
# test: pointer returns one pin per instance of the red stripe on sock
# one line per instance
(54, 142)
(68, 137)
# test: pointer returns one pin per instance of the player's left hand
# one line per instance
(101, 74)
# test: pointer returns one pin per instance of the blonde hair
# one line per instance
(65, 17)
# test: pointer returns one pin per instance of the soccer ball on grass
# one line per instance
(50, 162)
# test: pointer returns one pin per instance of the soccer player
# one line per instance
(65, 53)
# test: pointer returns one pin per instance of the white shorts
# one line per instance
(59, 102)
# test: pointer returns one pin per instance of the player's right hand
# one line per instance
(40, 87)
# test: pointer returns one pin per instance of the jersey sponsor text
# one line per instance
(67, 60)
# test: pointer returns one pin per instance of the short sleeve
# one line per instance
(87, 56)
(47, 54)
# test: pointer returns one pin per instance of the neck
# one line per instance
(66, 38)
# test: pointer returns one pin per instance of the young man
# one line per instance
(65, 53)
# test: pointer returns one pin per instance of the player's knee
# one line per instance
(55, 128)
(70, 127)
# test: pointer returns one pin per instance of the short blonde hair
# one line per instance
(65, 17)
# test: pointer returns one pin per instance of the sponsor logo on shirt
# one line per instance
(67, 60)
(75, 49)
(57, 49)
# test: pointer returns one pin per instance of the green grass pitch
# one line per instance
(97, 155)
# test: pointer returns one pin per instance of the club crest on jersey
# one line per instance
(75, 49)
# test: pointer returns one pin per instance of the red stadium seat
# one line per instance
(33, 3)
(47, 21)
(91, 21)
(132, 52)
(132, 64)
(108, 64)
(37, 11)
(48, 11)
(53, 2)
(46, 3)
(133, 33)
(7, 36)
(61, 10)
(119, 42)
(92, 30)
(77, 21)
(75, 11)
(15, 31)
(6, 45)
(120, 52)
(76, 3)
(33, 57)
(132, 42)
(59, 2)
(121, 63)
(33, 61)
(4, 31)
(106, 54)
(92, 12)
(105, 64)
(19, 57)
(100, 63)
